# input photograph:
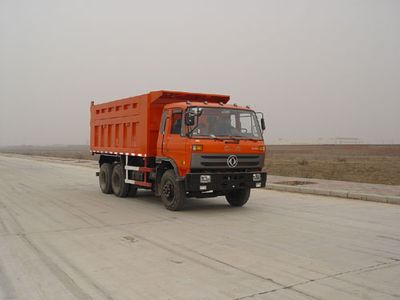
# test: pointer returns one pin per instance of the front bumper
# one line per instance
(224, 181)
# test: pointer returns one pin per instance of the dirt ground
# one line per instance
(63, 151)
(358, 163)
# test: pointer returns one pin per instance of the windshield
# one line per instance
(222, 122)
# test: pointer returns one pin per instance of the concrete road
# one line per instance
(60, 238)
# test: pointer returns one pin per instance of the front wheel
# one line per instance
(238, 197)
(172, 191)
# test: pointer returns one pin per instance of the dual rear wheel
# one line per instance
(112, 180)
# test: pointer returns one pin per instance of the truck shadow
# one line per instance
(191, 204)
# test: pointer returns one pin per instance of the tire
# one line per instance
(238, 197)
(105, 178)
(172, 191)
(119, 187)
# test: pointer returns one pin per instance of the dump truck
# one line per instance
(179, 145)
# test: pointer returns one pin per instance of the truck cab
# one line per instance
(216, 149)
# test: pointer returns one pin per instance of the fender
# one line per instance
(161, 159)
(107, 158)
(161, 162)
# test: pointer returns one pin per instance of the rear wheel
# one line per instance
(119, 187)
(172, 191)
(238, 197)
(105, 178)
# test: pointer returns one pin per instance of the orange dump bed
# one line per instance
(131, 125)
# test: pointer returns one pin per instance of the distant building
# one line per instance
(318, 141)
(347, 140)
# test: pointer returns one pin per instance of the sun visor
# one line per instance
(165, 97)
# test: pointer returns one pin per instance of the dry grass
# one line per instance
(358, 163)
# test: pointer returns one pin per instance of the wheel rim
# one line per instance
(168, 191)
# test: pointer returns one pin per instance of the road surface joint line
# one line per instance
(237, 268)
(292, 287)
(281, 286)
(173, 251)
(83, 228)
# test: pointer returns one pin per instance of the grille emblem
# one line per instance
(232, 161)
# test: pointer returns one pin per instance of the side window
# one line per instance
(176, 121)
(246, 122)
(233, 121)
(163, 121)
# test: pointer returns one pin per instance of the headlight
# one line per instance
(197, 147)
(257, 177)
(205, 178)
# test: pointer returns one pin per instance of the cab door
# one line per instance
(174, 138)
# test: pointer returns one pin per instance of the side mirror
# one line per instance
(260, 116)
(190, 119)
(262, 124)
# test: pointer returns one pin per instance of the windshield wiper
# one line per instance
(224, 138)
(242, 137)
(215, 137)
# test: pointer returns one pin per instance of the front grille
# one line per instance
(219, 161)
(223, 164)
(226, 156)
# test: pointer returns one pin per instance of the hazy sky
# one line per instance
(315, 68)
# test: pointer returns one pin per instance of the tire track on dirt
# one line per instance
(57, 271)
